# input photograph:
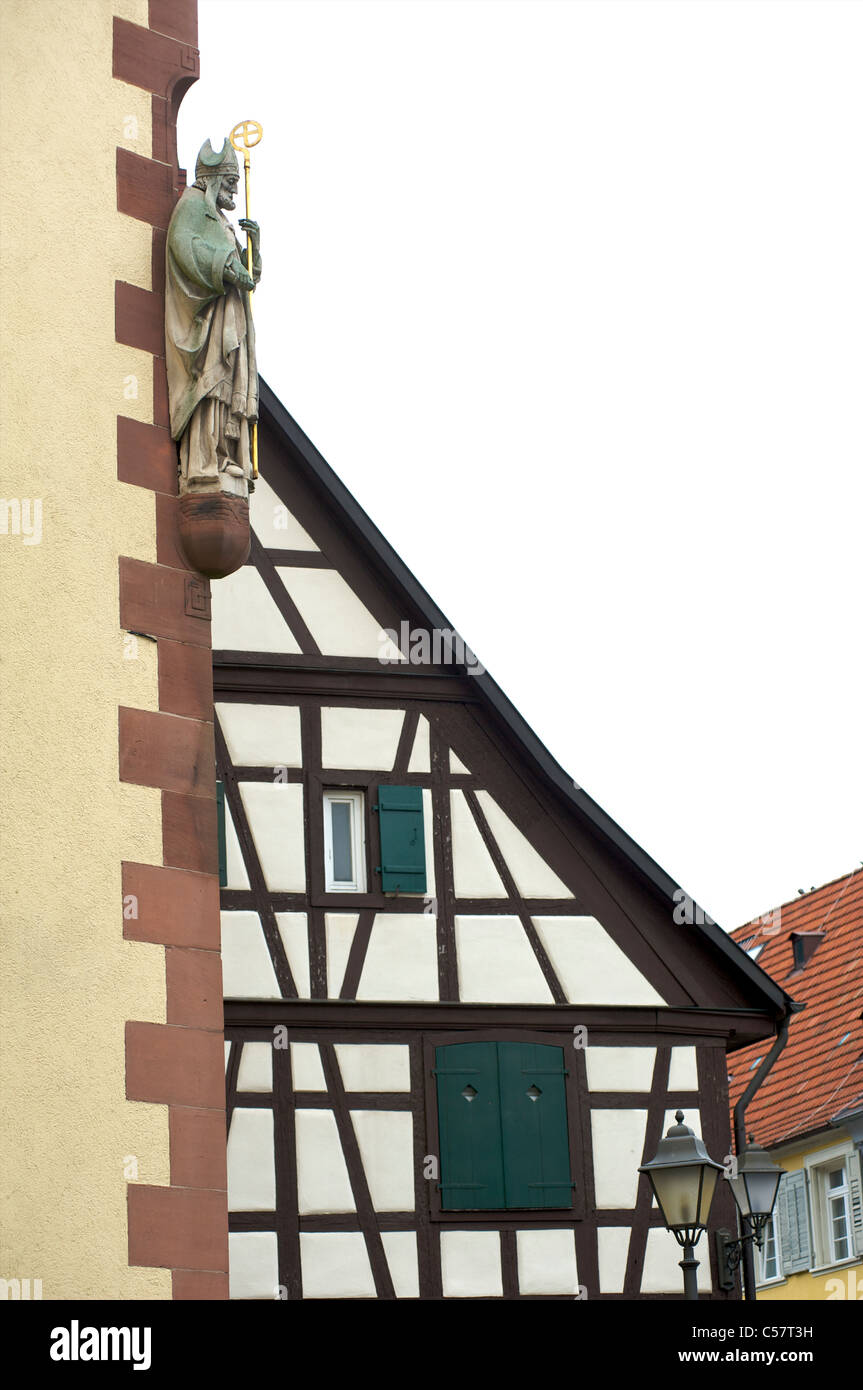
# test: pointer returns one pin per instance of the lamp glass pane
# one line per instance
(762, 1188)
(677, 1193)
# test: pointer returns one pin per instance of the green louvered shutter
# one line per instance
(223, 842)
(471, 1157)
(792, 1214)
(403, 859)
(533, 1123)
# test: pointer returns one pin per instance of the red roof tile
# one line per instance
(820, 1070)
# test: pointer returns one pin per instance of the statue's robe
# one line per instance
(209, 343)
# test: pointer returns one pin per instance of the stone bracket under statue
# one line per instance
(211, 364)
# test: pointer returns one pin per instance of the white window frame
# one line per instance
(818, 1167)
(771, 1232)
(356, 801)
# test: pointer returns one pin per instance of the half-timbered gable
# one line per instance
(461, 1006)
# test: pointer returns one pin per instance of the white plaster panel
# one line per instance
(613, 1242)
(253, 1264)
(227, 1056)
(456, 764)
(322, 1176)
(275, 527)
(428, 835)
(620, 1068)
(618, 1147)
(374, 1066)
(256, 1067)
(401, 961)
(546, 1262)
(474, 874)
(306, 1067)
(662, 1272)
(360, 738)
(235, 869)
(251, 1161)
(275, 812)
(337, 619)
(470, 1264)
(335, 1264)
(247, 970)
(400, 1248)
(261, 735)
(340, 928)
(245, 617)
(419, 759)
(591, 967)
(294, 931)
(534, 878)
(496, 963)
(683, 1073)
(385, 1139)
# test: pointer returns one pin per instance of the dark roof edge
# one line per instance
(576, 797)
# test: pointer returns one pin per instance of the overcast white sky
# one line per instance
(570, 295)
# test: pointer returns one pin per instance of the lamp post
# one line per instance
(683, 1177)
(754, 1183)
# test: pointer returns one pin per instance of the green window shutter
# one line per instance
(223, 841)
(533, 1122)
(403, 860)
(471, 1157)
(793, 1218)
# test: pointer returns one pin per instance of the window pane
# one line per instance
(836, 1177)
(343, 859)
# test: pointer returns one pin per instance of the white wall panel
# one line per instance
(534, 878)
(456, 764)
(337, 619)
(428, 834)
(294, 931)
(546, 1262)
(235, 869)
(275, 527)
(401, 961)
(496, 963)
(307, 1070)
(275, 813)
(470, 1264)
(591, 966)
(683, 1073)
(247, 970)
(613, 1242)
(474, 874)
(251, 1161)
(400, 1248)
(662, 1272)
(322, 1176)
(374, 1066)
(245, 617)
(620, 1068)
(385, 1139)
(419, 759)
(256, 1067)
(253, 1264)
(335, 1264)
(618, 1146)
(360, 738)
(261, 735)
(340, 928)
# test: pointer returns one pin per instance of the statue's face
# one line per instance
(228, 191)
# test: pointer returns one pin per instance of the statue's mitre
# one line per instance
(210, 161)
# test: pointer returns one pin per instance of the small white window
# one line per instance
(838, 1214)
(769, 1256)
(344, 842)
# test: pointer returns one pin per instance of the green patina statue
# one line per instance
(209, 335)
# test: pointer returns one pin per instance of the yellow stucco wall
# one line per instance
(843, 1281)
(69, 981)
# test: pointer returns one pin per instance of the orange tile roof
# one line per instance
(820, 1070)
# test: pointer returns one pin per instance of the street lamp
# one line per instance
(683, 1177)
(754, 1183)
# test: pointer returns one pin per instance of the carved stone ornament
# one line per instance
(212, 370)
